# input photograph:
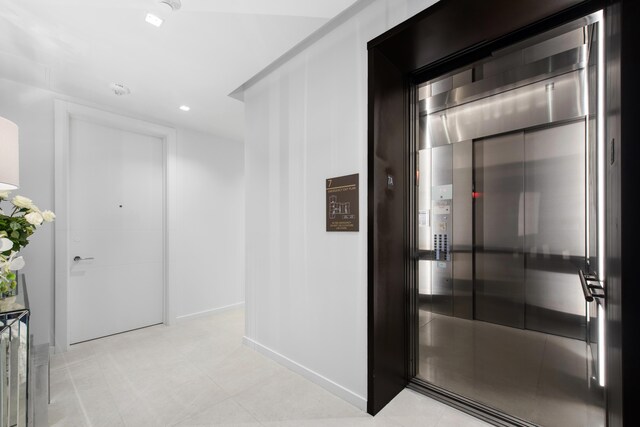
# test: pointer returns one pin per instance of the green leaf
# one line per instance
(14, 225)
(15, 235)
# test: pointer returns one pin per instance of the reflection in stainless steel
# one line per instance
(556, 48)
(462, 230)
(441, 206)
(578, 24)
(554, 229)
(528, 106)
(448, 83)
(424, 224)
(592, 152)
(529, 229)
(594, 197)
(499, 257)
(556, 65)
(601, 154)
(423, 143)
(540, 378)
(552, 47)
(14, 356)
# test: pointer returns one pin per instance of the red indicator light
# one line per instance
(475, 194)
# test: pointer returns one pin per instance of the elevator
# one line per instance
(476, 217)
(507, 229)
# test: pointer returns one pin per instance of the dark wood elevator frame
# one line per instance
(442, 38)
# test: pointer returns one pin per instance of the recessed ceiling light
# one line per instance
(154, 20)
(185, 108)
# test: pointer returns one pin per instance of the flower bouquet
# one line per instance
(16, 226)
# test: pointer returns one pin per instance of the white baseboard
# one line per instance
(210, 311)
(345, 394)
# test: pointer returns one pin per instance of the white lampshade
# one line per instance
(9, 160)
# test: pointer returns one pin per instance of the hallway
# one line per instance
(198, 373)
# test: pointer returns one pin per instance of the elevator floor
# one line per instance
(537, 377)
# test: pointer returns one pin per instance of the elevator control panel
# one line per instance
(441, 207)
(441, 245)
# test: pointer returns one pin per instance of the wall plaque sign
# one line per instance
(343, 212)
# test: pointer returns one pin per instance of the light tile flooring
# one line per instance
(535, 376)
(198, 373)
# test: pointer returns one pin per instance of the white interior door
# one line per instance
(116, 217)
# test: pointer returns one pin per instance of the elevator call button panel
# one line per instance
(442, 192)
(441, 207)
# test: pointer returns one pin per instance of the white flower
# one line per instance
(48, 216)
(16, 263)
(5, 244)
(34, 218)
(4, 194)
(12, 262)
(22, 202)
(1, 212)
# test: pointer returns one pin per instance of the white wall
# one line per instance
(208, 242)
(210, 198)
(306, 289)
(32, 110)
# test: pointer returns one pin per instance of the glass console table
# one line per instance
(14, 358)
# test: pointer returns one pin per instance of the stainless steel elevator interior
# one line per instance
(509, 211)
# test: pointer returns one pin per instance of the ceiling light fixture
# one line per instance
(185, 108)
(154, 20)
(119, 89)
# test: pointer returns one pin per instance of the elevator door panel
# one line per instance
(499, 229)
(555, 229)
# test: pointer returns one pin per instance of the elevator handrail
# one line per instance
(587, 288)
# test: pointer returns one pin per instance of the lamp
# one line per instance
(9, 160)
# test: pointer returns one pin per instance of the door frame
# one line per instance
(64, 112)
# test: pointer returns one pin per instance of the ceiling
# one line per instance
(198, 56)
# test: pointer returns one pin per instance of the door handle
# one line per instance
(79, 258)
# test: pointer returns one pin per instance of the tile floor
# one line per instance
(198, 373)
(535, 376)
